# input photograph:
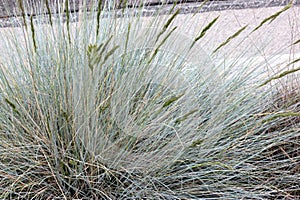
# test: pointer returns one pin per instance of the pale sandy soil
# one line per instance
(268, 45)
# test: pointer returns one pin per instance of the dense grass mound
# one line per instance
(115, 107)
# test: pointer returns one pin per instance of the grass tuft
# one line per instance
(111, 108)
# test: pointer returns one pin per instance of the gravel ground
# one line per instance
(269, 40)
(10, 8)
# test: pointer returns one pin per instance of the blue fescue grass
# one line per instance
(106, 108)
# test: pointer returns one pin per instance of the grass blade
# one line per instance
(98, 17)
(204, 30)
(21, 6)
(282, 115)
(162, 42)
(273, 17)
(33, 34)
(283, 74)
(167, 24)
(200, 7)
(230, 38)
(68, 19)
(297, 42)
(171, 100)
(49, 12)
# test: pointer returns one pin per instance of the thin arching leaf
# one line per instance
(200, 7)
(167, 24)
(230, 38)
(204, 30)
(273, 17)
(298, 41)
(280, 76)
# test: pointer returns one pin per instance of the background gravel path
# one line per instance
(234, 14)
(9, 8)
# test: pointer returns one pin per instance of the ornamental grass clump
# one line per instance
(105, 103)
